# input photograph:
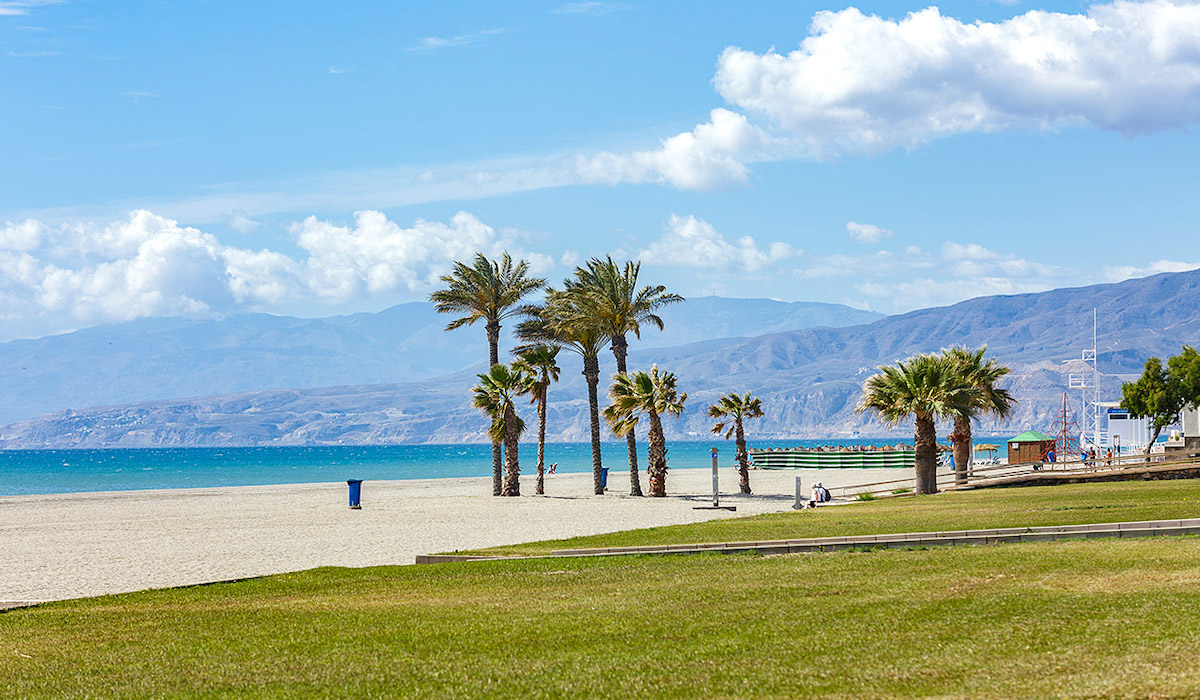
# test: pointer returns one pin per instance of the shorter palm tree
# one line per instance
(736, 408)
(653, 394)
(495, 395)
(539, 364)
(927, 388)
(973, 371)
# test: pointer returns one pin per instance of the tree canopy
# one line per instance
(1161, 393)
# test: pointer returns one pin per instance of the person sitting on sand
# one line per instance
(553, 467)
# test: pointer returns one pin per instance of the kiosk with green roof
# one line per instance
(1029, 446)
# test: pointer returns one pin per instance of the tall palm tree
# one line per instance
(737, 408)
(538, 362)
(927, 388)
(565, 321)
(621, 308)
(653, 394)
(973, 371)
(487, 291)
(495, 395)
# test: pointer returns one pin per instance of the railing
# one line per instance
(980, 476)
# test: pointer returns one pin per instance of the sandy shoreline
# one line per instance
(61, 546)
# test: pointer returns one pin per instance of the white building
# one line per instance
(1123, 432)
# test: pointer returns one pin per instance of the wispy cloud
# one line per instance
(138, 95)
(33, 54)
(594, 8)
(20, 8)
(334, 70)
(432, 43)
(1117, 273)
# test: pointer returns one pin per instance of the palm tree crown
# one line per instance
(922, 386)
(736, 406)
(983, 376)
(619, 305)
(488, 291)
(495, 395)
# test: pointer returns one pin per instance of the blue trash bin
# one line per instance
(355, 493)
(604, 477)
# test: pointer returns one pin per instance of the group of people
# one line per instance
(1089, 458)
(820, 494)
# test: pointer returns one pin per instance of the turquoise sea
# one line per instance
(25, 472)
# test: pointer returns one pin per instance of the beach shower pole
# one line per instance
(716, 491)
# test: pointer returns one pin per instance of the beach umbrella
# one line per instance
(985, 447)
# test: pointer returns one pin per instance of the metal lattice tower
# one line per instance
(1087, 380)
(1064, 431)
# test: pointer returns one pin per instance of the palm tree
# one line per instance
(927, 388)
(538, 362)
(653, 394)
(973, 371)
(737, 407)
(565, 321)
(622, 308)
(495, 395)
(486, 291)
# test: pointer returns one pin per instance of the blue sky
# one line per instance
(196, 158)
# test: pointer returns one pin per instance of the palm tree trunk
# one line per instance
(742, 460)
(512, 457)
(591, 370)
(657, 458)
(620, 349)
(541, 458)
(493, 336)
(926, 459)
(960, 438)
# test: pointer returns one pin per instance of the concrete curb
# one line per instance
(903, 540)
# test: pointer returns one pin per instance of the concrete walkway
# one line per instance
(902, 540)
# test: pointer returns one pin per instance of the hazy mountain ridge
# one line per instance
(809, 379)
(154, 359)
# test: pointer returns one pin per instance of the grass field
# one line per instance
(1094, 618)
(1068, 504)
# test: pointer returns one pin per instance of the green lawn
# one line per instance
(1085, 618)
(1113, 618)
(1068, 504)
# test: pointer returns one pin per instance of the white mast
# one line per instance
(1088, 383)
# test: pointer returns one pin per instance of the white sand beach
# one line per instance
(74, 545)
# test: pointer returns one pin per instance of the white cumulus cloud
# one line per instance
(862, 83)
(708, 157)
(70, 275)
(691, 242)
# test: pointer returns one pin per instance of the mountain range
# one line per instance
(809, 379)
(164, 358)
